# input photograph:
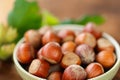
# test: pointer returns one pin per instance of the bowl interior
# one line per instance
(107, 74)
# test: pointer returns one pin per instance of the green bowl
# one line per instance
(109, 75)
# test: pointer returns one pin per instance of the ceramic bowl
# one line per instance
(109, 75)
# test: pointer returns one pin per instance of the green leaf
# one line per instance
(25, 15)
(68, 21)
(97, 19)
(49, 19)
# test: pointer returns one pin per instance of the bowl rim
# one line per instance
(75, 27)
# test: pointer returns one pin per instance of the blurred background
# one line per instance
(64, 9)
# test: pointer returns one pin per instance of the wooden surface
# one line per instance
(63, 9)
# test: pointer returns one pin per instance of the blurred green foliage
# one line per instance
(6, 51)
(7, 44)
(49, 19)
(25, 15)
(97, 19)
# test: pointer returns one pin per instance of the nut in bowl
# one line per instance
(41, 61)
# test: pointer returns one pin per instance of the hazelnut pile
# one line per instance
(66, 54)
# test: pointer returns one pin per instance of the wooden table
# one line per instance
(69, 9)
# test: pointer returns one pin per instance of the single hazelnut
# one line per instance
(104, 44)
(91, 28)
(107, 58)
(52, 52)
(66, 35)
(74, 72)
(50, 36)
(94, 69)
(69, 59)
(68, 46)
(86, 38)
(39, 68)
(86, 53)
(33, 37)
(25, 53)
(55, 76)
(44, 29)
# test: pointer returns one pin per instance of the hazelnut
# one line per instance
(86, 53)
(33, 37)
(74, 72)
(86, 38)
(52, 52)
(107, 58)
(44, 29)
(69, 59)
(50, 36)
(55, 76)
(66, 35)
(39, 68)
(91, 28)
(94, 69)
(25, 53)
(68, 46)
(104, 44)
